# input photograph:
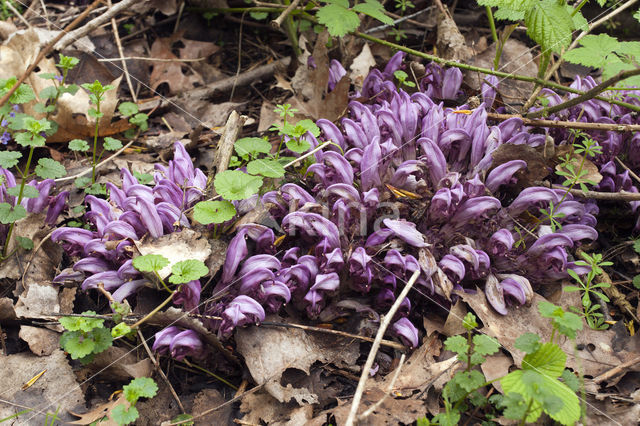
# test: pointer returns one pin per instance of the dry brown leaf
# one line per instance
(99, 412)
(37, 301)
(495, 367)
(55, 390)
(262, 407)
(179, 76)
(6, 309)
(450, 43)
(117, 364)
(537, 168)
(269, 352)
(361, 65)
(40, 340)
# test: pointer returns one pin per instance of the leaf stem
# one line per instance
(155, 311)
(95, 139)
(492, 25)
(20, 194)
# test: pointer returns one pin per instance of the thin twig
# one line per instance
(588, 95)
(164, 377)
(278, 21)
(387, 393)
(567, 124)
(389, 343)
(607, 196)
(142, 58)
(127, 77)
(616, 370)
(15, 11)
(46, 49)
(631, 173)
(407, 18)
(376, 345)
(102, 163)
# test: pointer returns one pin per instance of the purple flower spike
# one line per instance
(331, 132)
(534, 197)
(393, 65)
(163, 339)
(360, 270)
(517, 287)
(336, 72)
(369, 167)
(579, 232)
(451, 83)
(453, 267)
(189, 295)
(501, 242)
(494, 294)
(240, 311)
(56, 206)
(186, 343)
(109, 279)
(474, 209)
(150, 218)
(325, 283)
(127, 289)
(488, 90)
(548, 242)
(36, 205)
(503, 174)
(407, 332)
(406, 231)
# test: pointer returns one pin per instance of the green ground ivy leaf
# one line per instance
(188, 270)
(128, 108)
(76, 344)
(548, 360)
(25, 243)
(251, 147)
(102, 339)
(49, 168)
(374, 9)
(207, 212)
(112, 144)
(48, 92)
(337, 18)
(528, 342)
(142, 387)
(9, 159)
(9, 214)
(298, 145)
(122, 416)
(514, 405)
(27, 139)
(150, 262)
(78, 145)
(485, 345)
(236, 185)
(23, 94)
(85, 324)
(549, 24)
(265, 167)
(28, 191)
(457, 344)
(121, 329)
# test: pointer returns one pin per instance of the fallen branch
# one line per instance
(278, 21)
(387, 393)
(597, 195)
(616, 370)
(376, 345)
(568, 124)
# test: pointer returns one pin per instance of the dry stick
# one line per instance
(164, 376)
(17, 13)
(45, 50)
(376, 345)
(596, 195)
(116, 35)
(229, 82)
(616, 370)
(72, 36)
(278, 21)
(386, 395)
(501, 74)
(142, 58)
(631, 173)
(587, 95)
(102, 163)
(568, 124)
(555, 66)
(394, 345)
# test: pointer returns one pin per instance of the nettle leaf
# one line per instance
(150, 262)
(23, 94)
(76, 344)
(485, 345)
(594, 52)
(9, 159)
(28, 191)
(298, 145)
(251, 147)
(549, 24)
(337, 18)
(528, 342)
(207, 212)
(10, 214)
(78, 145)
(374, 9)
(25, 243)
(510, 10)
(49, 168)
(124, 416)
(266, 167)
(548, 360)
(188, 270)
(470, 380)
(236, 185)
(112, 144)
(142, 387)
(128, 108)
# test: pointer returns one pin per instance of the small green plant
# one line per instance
(403, 5)
(96, 96)
(139, 119)
(85, 336)
(402, 76)
(340, 18)
(589, 289)
(141, 387)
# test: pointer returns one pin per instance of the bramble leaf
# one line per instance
(236, 185)
(187, 270)
(265, 167)
(594, 52)
(207, 212)
(150, 262)
(337, 18)
(548, 360)
(374, 9)
(49, 168)
(9, 159)
(549, 24)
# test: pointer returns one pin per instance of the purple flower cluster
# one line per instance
(53, 204)
(132, 211)
(411, 187)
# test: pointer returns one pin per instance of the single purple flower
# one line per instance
(407, 332)
(189, 296)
